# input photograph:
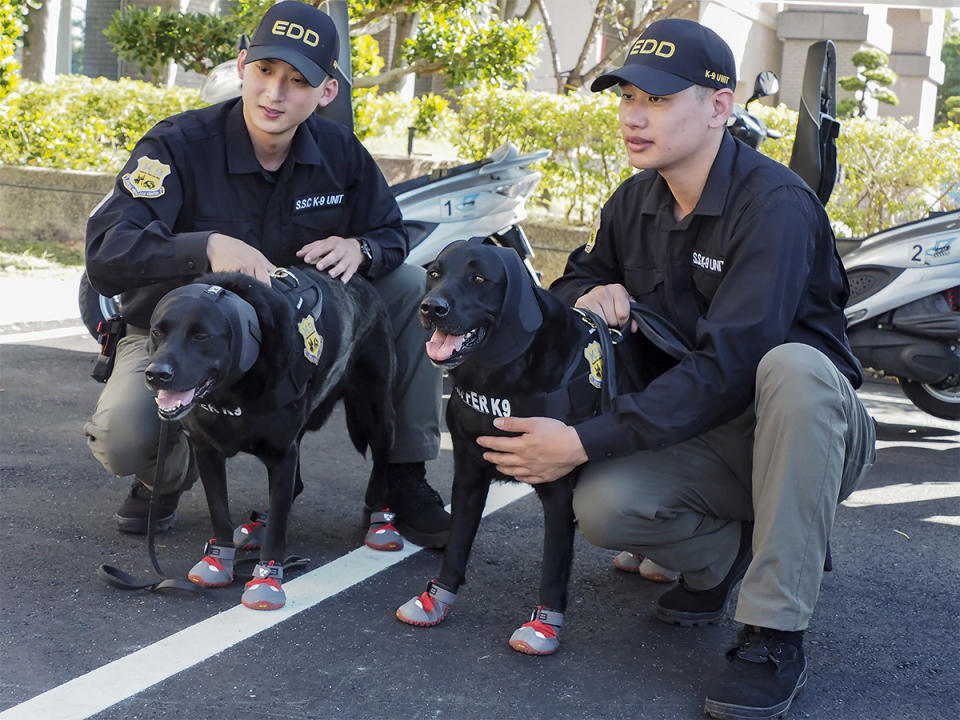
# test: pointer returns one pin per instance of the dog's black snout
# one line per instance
(435, 306)
(158, 374)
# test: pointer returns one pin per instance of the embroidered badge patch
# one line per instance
(593, 355)
(312, 341)
(592, 242)
(147, 180)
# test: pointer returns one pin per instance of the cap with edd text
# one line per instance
(672, 55)
(298, 34)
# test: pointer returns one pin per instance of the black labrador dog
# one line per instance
(249, 368)
(510, 348)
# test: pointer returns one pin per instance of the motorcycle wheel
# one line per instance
(940, 402)
(94, 307)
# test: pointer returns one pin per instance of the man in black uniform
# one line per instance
(731, 463)
(251, 184)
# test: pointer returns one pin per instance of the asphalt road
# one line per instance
(883, 642)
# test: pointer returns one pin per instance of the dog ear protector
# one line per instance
(520, 315)
(241, 317)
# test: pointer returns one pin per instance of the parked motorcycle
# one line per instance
(903, 315)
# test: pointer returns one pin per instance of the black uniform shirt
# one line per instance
(752, 267)
(196, 173)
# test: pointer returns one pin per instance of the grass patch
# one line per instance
(32, 256)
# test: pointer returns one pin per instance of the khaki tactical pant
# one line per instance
(784, 464)
(124, 429)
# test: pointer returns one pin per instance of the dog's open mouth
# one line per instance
(174, 405)
(448, 350)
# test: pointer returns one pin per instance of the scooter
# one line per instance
(903, 315)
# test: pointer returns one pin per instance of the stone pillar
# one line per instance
(850, 28)
(98, 57)
(915, 57)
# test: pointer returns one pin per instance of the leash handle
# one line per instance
(608, 368)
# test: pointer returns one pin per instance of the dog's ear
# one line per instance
(520, 292)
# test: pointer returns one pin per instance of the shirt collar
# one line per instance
(713, 199)
(241, 157)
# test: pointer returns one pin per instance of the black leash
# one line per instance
(118, 578)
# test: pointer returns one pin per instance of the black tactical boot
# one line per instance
(133, 512)
(763, 675)
(421, 517)
(683, 605)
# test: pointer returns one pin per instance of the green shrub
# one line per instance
(587, 160)
(11, 26)
(81, 123)
(888, 173)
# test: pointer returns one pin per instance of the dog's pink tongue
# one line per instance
(441, 346)
(167, 400)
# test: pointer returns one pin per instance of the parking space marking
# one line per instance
(114, 682)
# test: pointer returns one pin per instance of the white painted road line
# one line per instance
(116, 681)
(36, 335)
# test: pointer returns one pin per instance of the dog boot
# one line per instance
(540, 636)
(382, 535)
(428, 608)
(216, 567)
(249, 536)
(264, 591)
(645, 567)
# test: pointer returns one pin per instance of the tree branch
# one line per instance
(359, 27)
(552, 42)
(420, 66)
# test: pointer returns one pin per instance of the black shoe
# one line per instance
(764, 674)
(419, 508)
(685, 606)
(134, 510)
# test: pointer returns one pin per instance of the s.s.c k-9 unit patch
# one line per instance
(147, 180)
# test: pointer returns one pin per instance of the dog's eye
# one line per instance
(155, 332)
(479, 279)
(200, 336)
(433, 274)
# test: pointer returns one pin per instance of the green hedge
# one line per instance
(888, 173)
(81, 123)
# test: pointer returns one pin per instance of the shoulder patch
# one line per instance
(147, 180)
(592, 242)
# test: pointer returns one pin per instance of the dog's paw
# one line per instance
(540, 636)
(249, 536)
(382, 535)
(264, 592)
(428, 608)
(215, 569)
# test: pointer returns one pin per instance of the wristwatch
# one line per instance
(367, 255)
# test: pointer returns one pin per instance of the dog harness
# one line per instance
(305, 296)
(587, 387)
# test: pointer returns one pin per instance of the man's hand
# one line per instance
(547, 449)
(339, 256)
(611, 302)
(228, 254)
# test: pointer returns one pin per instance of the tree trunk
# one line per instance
(406, 28)
(40, 43)
(551, 42)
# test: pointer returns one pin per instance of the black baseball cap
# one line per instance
(299, 34)
(672, 55)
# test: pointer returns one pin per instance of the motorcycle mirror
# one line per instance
(767, 83)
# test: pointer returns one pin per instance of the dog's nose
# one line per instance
(436, 306)
(158, 374)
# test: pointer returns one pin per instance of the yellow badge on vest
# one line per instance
(312, 341)
(593, 355)
(147, 180)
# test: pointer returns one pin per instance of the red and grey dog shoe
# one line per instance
(249, 536)
(382, 534)
(428, 608)
(540, 636)
(215, 569)
(644, 567)
(264, 591)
